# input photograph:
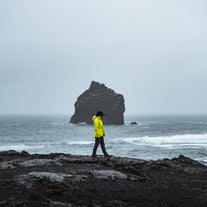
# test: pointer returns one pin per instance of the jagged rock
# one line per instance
(74, 180)
(53, 177)
(104, 174)
(99, 98)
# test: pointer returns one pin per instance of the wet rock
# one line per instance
(108, 174)
(99, 98)
(72, 180)
(6, 165)
(52, 177)
(39, 162)
(133, 123)
(60, 204)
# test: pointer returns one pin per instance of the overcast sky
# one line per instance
(154, 52)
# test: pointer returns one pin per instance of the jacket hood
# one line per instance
(96, 117)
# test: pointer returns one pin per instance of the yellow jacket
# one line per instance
(98, 127)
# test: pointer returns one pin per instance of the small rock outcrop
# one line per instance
(99, 98)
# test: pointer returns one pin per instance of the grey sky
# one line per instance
(152, 51)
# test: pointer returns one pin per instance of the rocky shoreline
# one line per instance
(64, 180)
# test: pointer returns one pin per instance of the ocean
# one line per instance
(154, 137)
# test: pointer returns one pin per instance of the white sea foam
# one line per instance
(78, 142)
(188, 140)
(20, 147)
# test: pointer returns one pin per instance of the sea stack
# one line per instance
(99, 98)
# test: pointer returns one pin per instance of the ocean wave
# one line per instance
(20, 147)
(77, 142)
(188, 140)
(58, 124)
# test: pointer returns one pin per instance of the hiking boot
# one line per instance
(108, 155)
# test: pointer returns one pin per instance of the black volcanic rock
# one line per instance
(99, 98)
(64, 180)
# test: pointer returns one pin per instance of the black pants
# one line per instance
(98, 141)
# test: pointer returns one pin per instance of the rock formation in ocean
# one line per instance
(99, 98)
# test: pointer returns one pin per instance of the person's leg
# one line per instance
(103, 146)
(97, 141)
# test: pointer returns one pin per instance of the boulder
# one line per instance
(99, 98)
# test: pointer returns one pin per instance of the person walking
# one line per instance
(99, 133)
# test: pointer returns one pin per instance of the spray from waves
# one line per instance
(175, 141)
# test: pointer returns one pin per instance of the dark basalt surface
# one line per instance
(63, 180)
(99, 98)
